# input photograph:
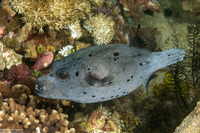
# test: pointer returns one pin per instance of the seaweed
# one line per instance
(179, 73)
(193, 38)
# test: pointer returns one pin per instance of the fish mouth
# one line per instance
(41, 86)
(38, 87)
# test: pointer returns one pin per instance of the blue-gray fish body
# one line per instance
(101, 73)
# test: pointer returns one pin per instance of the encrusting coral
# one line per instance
(101, 27)
(191, 123)
(8, 57)
(16, 116)
(100, 122)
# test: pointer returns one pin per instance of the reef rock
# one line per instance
(191, 124)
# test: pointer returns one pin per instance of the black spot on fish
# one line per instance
(102, 98)
(84, 92)
(77, 73)
(63, 60)
(115, 59)
(117, 96)
(109, 83)
(139, 55)
(130, 46)
(124, 92)
(131, 76)
(51, 75)
(88, 69)
(141, 77)
(93, 96)
(119, 88)
(112, 96)
(168, 54)
(140, 64)
(90, 54)
(71, 87)
(158, 54)
(116, 54)
(78, 58)
(128, 80)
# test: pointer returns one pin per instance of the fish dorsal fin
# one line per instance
(137, 41)
(145, 85)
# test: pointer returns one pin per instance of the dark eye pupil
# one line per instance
(63, 75)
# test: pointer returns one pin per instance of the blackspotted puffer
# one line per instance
(103, 72)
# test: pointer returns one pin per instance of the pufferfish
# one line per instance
(104, 72)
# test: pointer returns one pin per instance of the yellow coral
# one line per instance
(54, 13)
(101, 27)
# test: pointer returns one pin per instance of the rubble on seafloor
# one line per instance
(191, 123)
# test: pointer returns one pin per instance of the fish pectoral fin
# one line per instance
(108, 80)
(145, 85)
(93, 80)
(146, 89)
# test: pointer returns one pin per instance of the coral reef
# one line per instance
(101, 27)
(23, 33)
(6, 8)
(98, 3)
(16, 116)
(191, 5)
(43, 61)
(80, 45)
(100, 122)
(37, 45)
(135, 8)
(65, 51)
(8, 57)
(55, 14)
(191, 123)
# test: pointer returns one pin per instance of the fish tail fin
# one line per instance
(166, 58)
(174, 56)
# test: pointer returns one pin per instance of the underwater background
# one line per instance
(34, 33)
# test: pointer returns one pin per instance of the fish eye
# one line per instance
(62, 74)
